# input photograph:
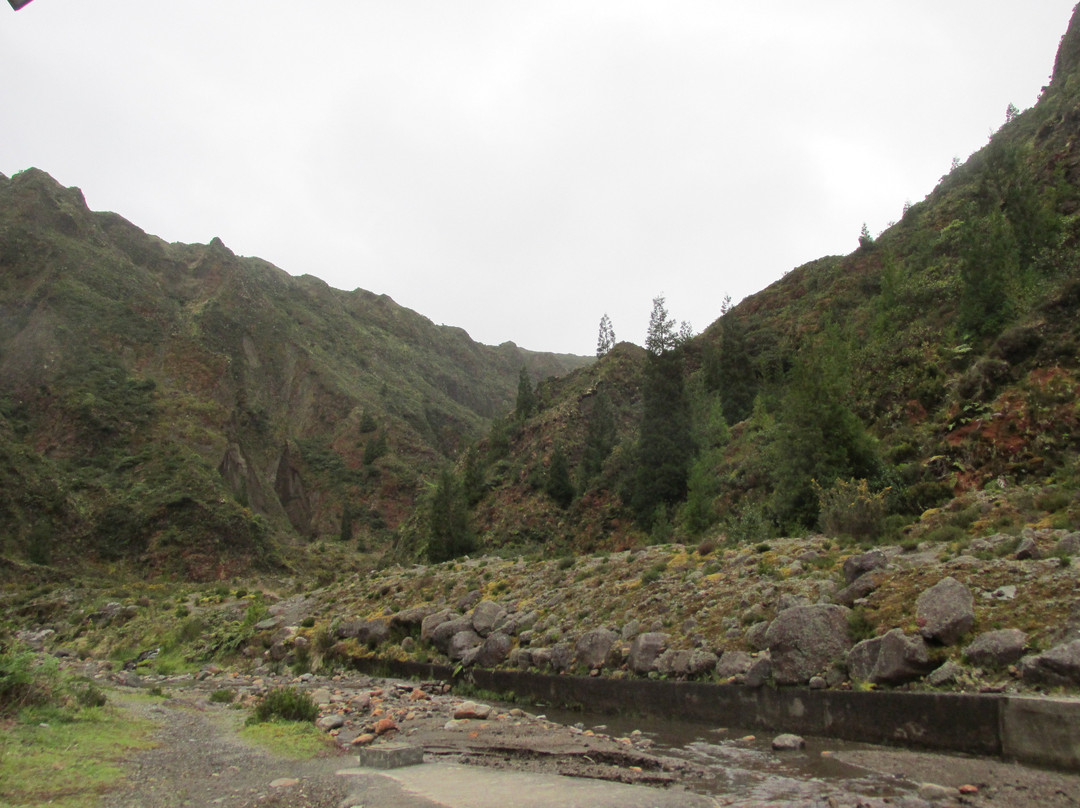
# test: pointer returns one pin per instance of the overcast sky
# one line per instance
(518, 168)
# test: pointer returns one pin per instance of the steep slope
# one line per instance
(940, 362)
(180, 404)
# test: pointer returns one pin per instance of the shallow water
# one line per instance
(742, 768)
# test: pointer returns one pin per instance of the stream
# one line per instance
(742, 768)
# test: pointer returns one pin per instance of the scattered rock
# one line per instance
(385, 725)
(645, 650)
(803, 641)
(472, 710)
(891, 659)
(1058, 667)
(860, 587)
(788, 743)
(946, 674)
(461, 643)
(284, 782)
(593, 646)
(997, 649)
(486, 614)
(329, 722)
(1028, 550)
(733, 663)
(495, 649)
(945, 612)
(858, 565)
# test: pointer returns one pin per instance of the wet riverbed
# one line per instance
(742, 769)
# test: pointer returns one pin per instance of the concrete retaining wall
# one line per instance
(1039, 731)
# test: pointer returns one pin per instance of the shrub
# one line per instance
(26, 680)
(223, 696)
(850, 509)
(285, 704)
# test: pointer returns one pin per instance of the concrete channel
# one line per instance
(1025, 729)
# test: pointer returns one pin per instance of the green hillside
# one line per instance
(181, 407)
(937, 366)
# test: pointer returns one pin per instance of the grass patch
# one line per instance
(69, 765)
(289, 739)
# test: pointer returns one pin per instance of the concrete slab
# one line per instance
(389, 756)
(1045, 732)
(457, 786)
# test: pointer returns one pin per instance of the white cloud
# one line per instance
(518, 169)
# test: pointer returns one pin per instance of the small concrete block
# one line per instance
(390, 756)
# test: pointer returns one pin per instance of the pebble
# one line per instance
(284, 782)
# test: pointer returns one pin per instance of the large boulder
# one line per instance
(366, 632)
(442, 634)
(593, 646)
(858, 565)
(433, 621)
(804, 641)
(486, 614)
(945, 612)
(673, 662)
(645, 650)
(860, 587)
(891, 659)
(562, 657)
(733, 663)
(1058, 667)
(411, 620)
(461, 643)
(494, 651)
(997, 649)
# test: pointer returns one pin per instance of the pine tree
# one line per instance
(559, 486)
(819, 437)
(526, 396)
(606, 339)
(665, 444)
(448, 521)
(661, 336)
(599, 435)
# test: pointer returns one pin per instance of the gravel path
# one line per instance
(200, 761)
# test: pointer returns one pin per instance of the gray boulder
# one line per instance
(644, 651)
(432, 621)
(461, 643)
(701, 662)
(562, 657)
(593, 646)
(996, 649)
(673, 662)
(486, 614)
(540, 657)
(804, 641)
(788, 743)
(946, 674)
(445, 631)
(891, 659)
(733, 663)
(945, 612)
(1028, 550)
(366, 632)
(760, 671)
(1058, 667)
(410, 621)
(1068, 545)
(755, 635)
(494, 651)
(858, 565)
(860, 587)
